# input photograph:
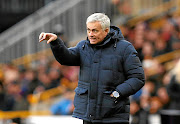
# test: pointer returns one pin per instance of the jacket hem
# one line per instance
(109, 120)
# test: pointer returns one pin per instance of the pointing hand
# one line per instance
(47, 36)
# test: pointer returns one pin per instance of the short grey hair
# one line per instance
(99, 17)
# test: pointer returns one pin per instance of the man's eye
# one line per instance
(95, 31)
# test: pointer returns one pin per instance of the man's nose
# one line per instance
(91, 33)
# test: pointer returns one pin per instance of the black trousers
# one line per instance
(86, 122)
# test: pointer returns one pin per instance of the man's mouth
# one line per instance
(92, 38)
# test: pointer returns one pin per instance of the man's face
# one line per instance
(95, 32)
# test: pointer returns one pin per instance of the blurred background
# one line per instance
(35, 88)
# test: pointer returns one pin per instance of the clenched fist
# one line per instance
(47, 36)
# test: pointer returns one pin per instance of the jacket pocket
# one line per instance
(108, 104)
(80, 91)
(80, 100)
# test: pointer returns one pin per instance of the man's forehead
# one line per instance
(93, 25)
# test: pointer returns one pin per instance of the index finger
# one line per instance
(41, 37)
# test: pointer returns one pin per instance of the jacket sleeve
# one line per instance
(133, 72)
(64, 55)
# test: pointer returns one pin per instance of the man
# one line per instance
(110, 71)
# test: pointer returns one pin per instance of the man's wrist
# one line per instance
(115, 94)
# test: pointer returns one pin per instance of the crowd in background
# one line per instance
(157, 94)
(19, 82)
(161, 90)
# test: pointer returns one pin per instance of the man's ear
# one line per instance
(107, 30)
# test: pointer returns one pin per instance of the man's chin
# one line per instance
(93, 42)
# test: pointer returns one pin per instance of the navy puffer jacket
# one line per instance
(111, 65)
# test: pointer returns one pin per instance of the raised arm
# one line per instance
(64, 55)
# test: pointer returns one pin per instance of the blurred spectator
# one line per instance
(56, 65)
(9, 98)
(45, 82)
(163, 97)
(151, 35)
(2, 96)
(175, 42)
(139, 39)
(54, 76)
(173, 88)
(147, 50)
(160, 47)
(149, 88)
(21, 102)
(134, 111)
(14, 99)
(65, 105)
(11, 73)
(144, 109)
(125, 7)
(166, 79)
(166, 31)
(29, 82)
(70, 76)
(155, 105)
